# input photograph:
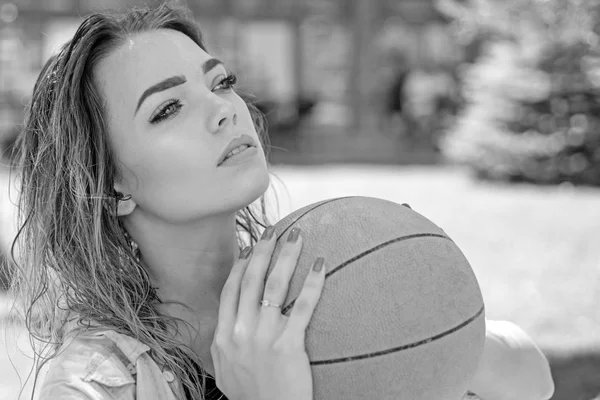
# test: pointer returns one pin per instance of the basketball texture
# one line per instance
(401, 315)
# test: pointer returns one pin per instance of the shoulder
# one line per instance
(93, 365)
(509, 338)
(512, 364)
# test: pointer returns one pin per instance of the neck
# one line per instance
(187, 263)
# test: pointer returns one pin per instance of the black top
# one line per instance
(211, 392)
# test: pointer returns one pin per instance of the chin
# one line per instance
(250, 185)
(256, 186)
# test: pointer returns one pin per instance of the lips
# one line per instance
(243, 140)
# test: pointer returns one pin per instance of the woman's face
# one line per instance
(171, 114)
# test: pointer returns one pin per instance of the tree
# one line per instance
(533, 96)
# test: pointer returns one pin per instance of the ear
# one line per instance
(126, 205)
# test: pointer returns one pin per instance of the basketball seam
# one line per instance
(382, 245)
(309, 210)
(365, 253)
(400, 348)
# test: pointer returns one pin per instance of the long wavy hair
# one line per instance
(72, 253)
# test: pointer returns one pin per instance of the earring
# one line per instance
(135, 248)
(120, 197)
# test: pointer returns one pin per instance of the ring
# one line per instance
(267, 303)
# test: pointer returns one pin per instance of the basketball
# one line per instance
(401, 315)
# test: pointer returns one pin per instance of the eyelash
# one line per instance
(230, 80)
(163, 112)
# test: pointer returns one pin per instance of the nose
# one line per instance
(224, 115)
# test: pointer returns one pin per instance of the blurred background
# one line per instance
(484, 115)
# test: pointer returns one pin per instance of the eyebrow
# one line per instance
(174, 81)
(210, 64)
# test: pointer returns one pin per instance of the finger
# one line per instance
(277, 284)
(231, 291)
(251, 287)
(307, 300)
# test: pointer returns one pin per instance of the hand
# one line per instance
(258, 352)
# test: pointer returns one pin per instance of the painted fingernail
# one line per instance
(245, 253)
(268, 233)
(318, 265)
(293, 236)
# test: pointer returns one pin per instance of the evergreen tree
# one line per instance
(532, 108)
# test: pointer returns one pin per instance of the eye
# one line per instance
(227, 83)
(166, 110)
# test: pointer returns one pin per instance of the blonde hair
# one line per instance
(74, 254)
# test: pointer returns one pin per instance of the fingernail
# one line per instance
(407, 205)
(318, 265)
(293, 236)
(268, 233)
(245, 253)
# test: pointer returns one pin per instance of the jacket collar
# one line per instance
(129, 346)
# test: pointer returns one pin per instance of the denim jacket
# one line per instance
(104, 365)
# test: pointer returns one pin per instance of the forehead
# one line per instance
(145, 59)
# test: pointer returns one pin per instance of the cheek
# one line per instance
(246, 125)
(170, 168)
(179, 164)
(175, 188)
(244, 117)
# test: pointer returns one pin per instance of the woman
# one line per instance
(143, 176)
